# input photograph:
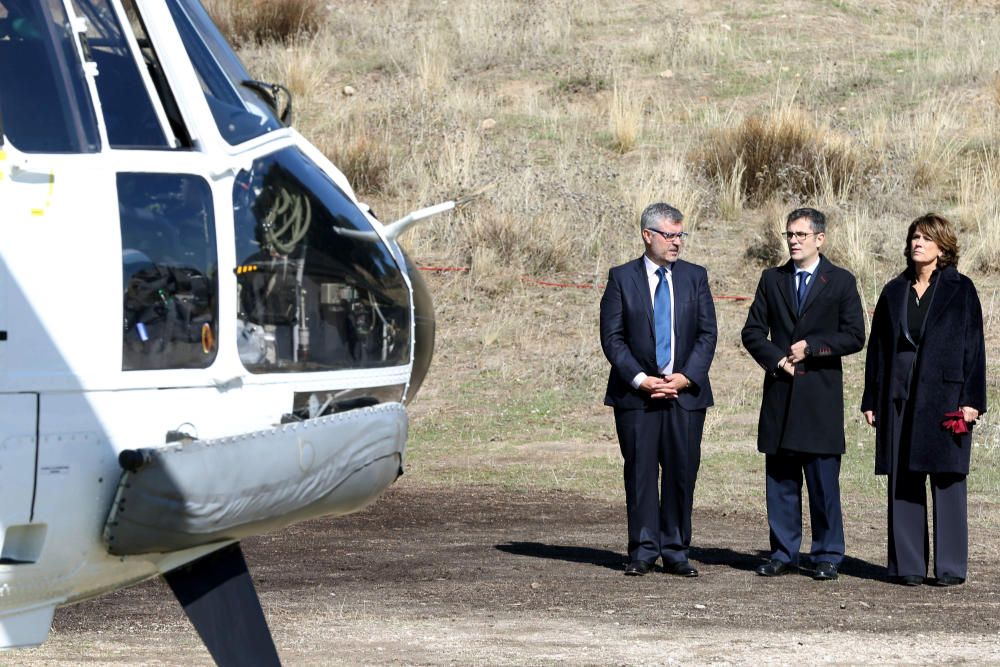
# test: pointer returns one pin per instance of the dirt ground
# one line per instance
(432, 576)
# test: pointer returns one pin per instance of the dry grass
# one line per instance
(362, 153)
(768, 247)
(933, 140)
(260, 21)
(663, 179)
(510, 31)
(979, 209)
(624, 117)
(731, 195)
(994, 89)
(304, 66)
(498, 243)
(784, 153)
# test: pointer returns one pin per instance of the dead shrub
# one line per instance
(784, 153)
(260, 21)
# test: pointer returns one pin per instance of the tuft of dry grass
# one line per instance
(625, 117)
(784, 153)
(664, 179)
(260, 21)
(731, 192)
(432, 66)
(304, 66)
(361, 153)
(852, 238)
(979, 206)
(934, 142)
(994, 89)
(539, 246)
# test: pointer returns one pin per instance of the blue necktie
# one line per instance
(661, 317)
(803, 289)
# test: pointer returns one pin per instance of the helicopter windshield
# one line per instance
(44, 104)
(317, 290)
(239, 113)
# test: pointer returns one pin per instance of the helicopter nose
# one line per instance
(423, 312)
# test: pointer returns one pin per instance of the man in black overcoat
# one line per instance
(805, 316)
(658, 331)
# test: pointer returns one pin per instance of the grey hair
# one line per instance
(659, 211)
(817, 221)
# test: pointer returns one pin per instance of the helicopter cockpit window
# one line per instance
(44, 103)
(169, 271)
(154, 67)
(129, 114)
(317, 290)
(239, 112)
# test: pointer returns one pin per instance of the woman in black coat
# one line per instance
(925, 385)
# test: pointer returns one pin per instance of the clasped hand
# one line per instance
(666, 387)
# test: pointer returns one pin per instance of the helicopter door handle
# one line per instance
(222, 172)
(225, 384)
(28, 166)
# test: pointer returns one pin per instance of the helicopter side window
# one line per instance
(129, 114)
(317, 289)
(45, 106)
(240, 113)
(169, 271)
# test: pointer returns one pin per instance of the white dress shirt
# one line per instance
(654, 279)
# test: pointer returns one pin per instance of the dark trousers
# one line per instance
(784, 472)
(909, 548)
(659, 515)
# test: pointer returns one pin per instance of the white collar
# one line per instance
(652, 267)
(809, 269)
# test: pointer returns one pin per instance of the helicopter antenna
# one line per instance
(394, 230)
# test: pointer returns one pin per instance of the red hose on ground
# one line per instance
(546, 283)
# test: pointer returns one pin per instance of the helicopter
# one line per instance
(204, 335)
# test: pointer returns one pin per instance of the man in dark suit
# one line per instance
(805, 316)
(658, 331)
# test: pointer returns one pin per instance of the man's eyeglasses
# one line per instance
(670, 236)
(798, 235)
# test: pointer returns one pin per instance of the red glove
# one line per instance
(955, 422)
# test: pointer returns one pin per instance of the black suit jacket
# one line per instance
(628, 334)
(950, 371)
(804, 413)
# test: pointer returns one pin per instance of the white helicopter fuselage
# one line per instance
(222, 301)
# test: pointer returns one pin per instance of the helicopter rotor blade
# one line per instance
(219, 598)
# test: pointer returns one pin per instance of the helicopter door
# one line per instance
(18, 427)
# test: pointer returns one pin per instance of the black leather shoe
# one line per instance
(949, 580)
(681, 569)
(825, 571)
(775, 568)
(908, 580)
(637, 568)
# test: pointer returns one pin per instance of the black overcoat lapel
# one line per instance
(944, 292)
(786, 286)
